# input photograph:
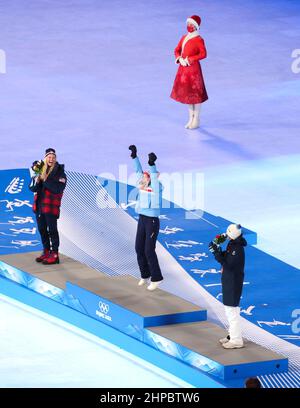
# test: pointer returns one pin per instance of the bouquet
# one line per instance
(219, 239)
(214, 246)
(37, 166)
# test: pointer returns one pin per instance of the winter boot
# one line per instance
(153, 286)
(43, 256)
(224, 340)
(142, 282)
(52, 259)
(233, 344)
(195, 121)
(191, 116)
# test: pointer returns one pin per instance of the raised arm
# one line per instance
(155, 184)
(138, 168)
(136, 162)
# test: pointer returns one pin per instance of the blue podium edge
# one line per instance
(175, 318)
(258, 368)
(137, 348)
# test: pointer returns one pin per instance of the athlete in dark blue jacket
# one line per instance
(233, 262)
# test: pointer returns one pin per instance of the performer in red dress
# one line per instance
(189, 85)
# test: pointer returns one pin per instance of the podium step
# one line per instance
(198, 344)
(122, 297)
(58, 274)
(125, 291)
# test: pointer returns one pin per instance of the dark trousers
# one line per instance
(146, 236)
(47, 226)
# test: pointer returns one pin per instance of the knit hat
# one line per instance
(146, 173)
(234, 231)
(50, 151)
(195, 21)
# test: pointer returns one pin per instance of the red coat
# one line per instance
(189, 85)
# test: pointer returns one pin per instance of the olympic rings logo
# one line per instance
(104, 308)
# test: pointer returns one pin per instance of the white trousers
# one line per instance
(235, 331)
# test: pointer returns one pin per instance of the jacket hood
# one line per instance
(239, 241)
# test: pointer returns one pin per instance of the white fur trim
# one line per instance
(188, 37)
(193, 22)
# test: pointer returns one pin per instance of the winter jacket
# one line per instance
(48, 194)
(193, 48)
(148, 202)
(233, 262)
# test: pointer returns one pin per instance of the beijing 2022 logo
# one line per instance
(103, 311)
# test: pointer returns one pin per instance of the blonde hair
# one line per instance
(45, 174)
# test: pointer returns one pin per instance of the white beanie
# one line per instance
(234, 231)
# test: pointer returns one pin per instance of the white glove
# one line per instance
(182, 62)
(186, 60)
